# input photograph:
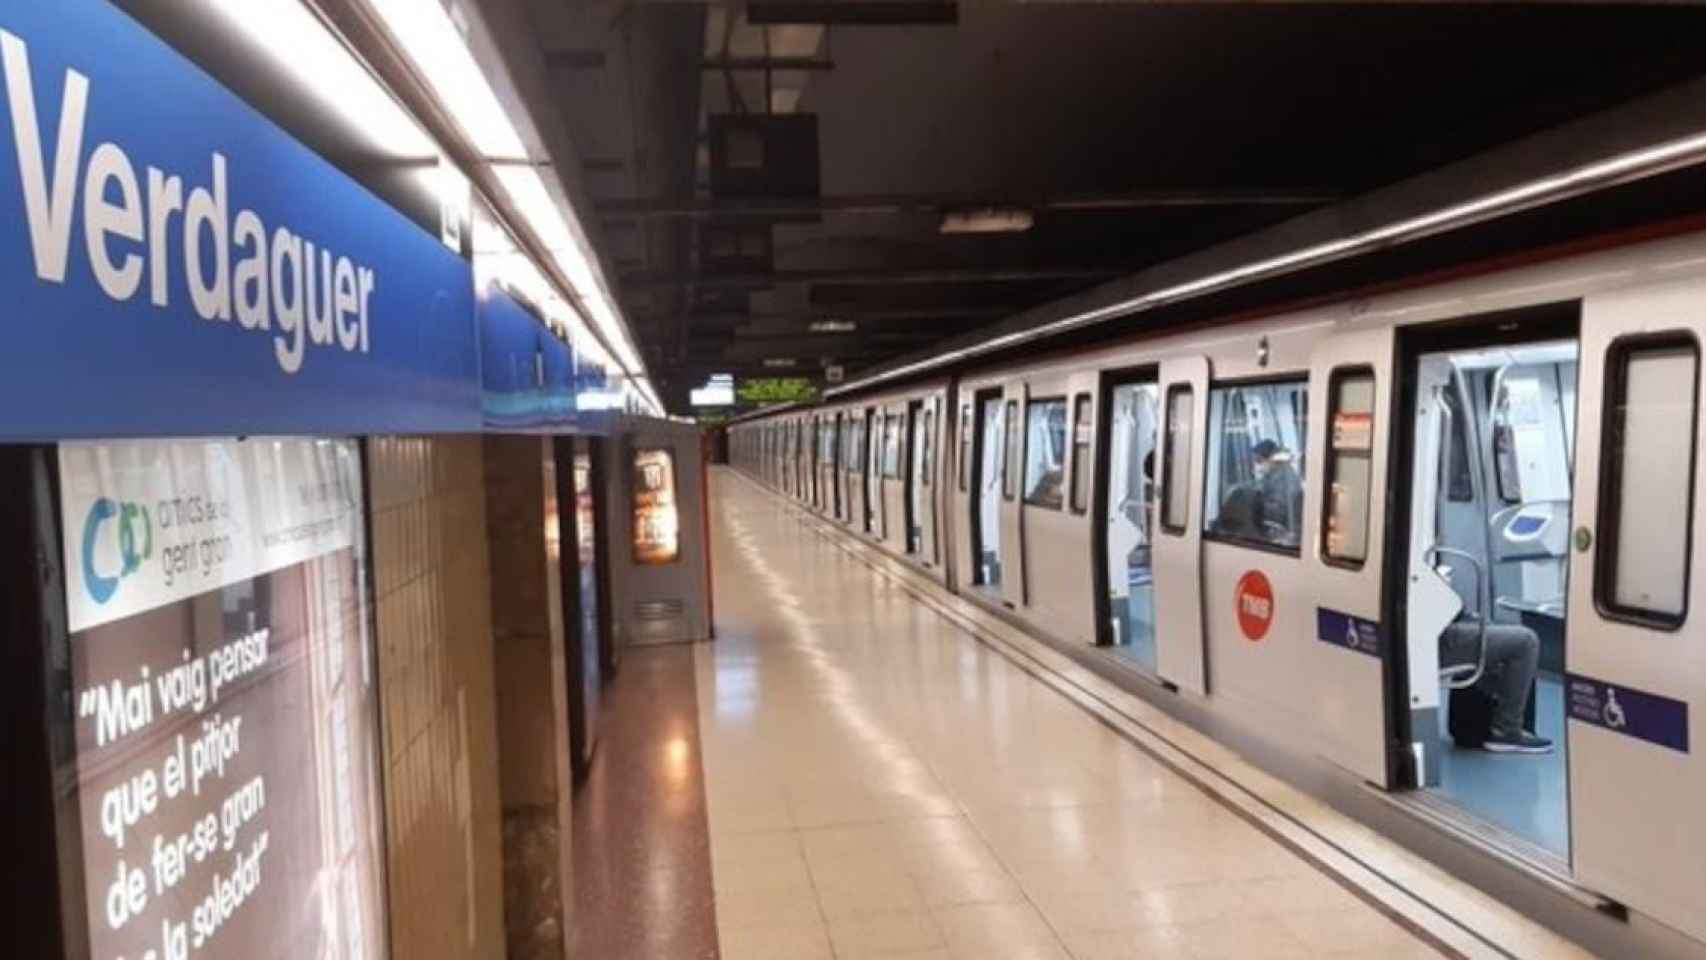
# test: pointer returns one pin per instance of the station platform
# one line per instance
(882, 775)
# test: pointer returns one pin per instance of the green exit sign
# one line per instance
(775, 390)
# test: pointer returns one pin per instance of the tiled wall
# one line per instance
(436, 676)
(532, 673)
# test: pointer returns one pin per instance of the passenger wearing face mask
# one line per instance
(1280, 507)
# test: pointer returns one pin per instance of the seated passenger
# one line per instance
(1240, 514)
(1282, 492)
(1513, 658)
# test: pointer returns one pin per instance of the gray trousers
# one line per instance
(1513, 657)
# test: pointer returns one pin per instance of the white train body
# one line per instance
(1513, 449)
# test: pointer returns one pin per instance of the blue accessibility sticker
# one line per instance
(1631, 712)
(1349, 631)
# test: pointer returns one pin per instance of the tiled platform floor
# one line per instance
(881, 785)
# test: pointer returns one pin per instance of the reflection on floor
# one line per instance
(881, 784)
(641, 847)
(1526, 795)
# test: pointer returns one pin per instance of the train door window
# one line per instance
(992, 458)
(1350, 466)
(1651, 402)
(929, 468)
(1134, 412)
(1045, 453)
(965, 447)
(1082, 427)
(1010, 455)
(1176, 466)
(914, 476)
(891, 447)
(1256, 439)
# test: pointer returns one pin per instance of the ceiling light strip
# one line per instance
(1623, 168)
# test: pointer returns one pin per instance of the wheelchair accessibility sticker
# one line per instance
(1633, 713)
(1348, 631)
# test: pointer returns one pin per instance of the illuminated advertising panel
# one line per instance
(225, 775)
(657, 523)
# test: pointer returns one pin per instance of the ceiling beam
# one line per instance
(936, 203)
(654, 280)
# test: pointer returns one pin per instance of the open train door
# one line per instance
(1635, 663)
(1179, 647)
(1343, 675)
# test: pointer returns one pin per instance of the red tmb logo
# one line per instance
(1255, 600)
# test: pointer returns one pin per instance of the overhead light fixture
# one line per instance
(778, 362)
(833, 326)
(988, 220)
(435, 43)
(296, 40)
(1622, 168)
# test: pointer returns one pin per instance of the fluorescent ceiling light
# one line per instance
(779, 362)
(295, 39)
(440, 52)
(435, 44)
(988, 220)
(833, 326)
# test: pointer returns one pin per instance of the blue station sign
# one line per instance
(174, 263)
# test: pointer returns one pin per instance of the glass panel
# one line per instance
(1255, 463)
(1181, 408)
(1653, 410)
(1350, 468)
(1081, 432)
(1045, 453)
(927, 469)
(988, 504)
(1009, 461)
(891, 447)
(965, 447)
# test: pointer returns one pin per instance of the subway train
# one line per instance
(1439, 538)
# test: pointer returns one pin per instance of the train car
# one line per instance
(1441, 538)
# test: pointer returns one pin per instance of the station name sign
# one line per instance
(173, 262)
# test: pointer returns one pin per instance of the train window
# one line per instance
(1010, 456)
(1045, 453)
(965, 447)
(1454, 466)
(1176, 462)
(1511, 401)
(1651, 399)
(1081, 431)
(928, 446)
(1256, 437)
(1350, 466)
(891, 447)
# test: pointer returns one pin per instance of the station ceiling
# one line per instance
(1125, 134)
(1105, 138)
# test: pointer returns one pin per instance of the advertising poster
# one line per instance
(657, 529)
(226, 771)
